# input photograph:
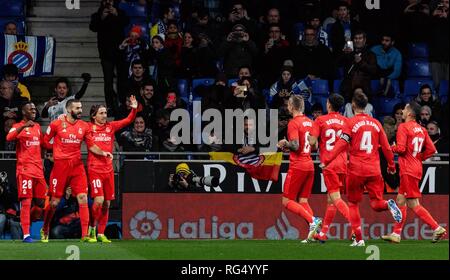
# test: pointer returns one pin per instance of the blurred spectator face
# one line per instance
(317, 113)
(170, 14)
(172, 28)
(157, 44)
(445, 3)
(139, 124)
(315, 23)
(204, 20)
(137, 70)
(286, 76)
(360, 41)
(249, 125)
(399, 116)
(310, 36)
(188, 39)
(387, 42)
(244, 72)
(425, 115)
(343, 13)
(273, 16)
(425, 94)
(275, 33)
(171, 97)
(147, 92)
(8, 124)
(108, 3)
(10, 78)
(134, 37)
(432, 129)
(246, 83)
(238, 11)
(163, 122)
(128, 103)
(61, 90)
(10, 29)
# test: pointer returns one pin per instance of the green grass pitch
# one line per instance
(224, 250)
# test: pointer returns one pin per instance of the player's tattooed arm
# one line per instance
(286, 145)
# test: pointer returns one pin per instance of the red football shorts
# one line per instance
(29, 187)
(67, 173)
(356, 184)
(101, 184)
(335, 182)
(409, 186)
(298, 184)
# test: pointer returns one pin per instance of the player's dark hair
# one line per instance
(94, 111)
(137, 62)
(70, 102)
(317, 107)
(297, 102)
(414, 108)
(336, 101)
(10, 69)
(360, 100)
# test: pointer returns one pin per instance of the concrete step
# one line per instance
(73, 67)
(62, 3)
(60, 10)
(76, 49)
(59, 27)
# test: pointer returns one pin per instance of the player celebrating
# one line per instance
(29, 172)
(411, 137)
(300, 177)
(327, 129)
(364, 134)
(100, 169)
(68, 133)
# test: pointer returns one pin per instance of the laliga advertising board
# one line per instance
(250, 216)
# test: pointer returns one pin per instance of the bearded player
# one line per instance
(29, 171)
(413, 146)
(100, 168)
(68, 133)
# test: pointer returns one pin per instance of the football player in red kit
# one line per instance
(100, 169)
(68, 133)
(365, 135)
(29, 172)
(413, 146)
(300, 176)
(326, 130)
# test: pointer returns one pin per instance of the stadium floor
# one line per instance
(224, 250)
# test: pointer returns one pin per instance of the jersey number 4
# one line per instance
(366, 142)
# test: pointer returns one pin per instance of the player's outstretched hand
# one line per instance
(29, 123)
(323, 166)
(108, 155)
(134, 103)
(61, 117)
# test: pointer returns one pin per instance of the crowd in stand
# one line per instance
(267, 49)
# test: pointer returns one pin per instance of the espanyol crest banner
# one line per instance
(33, 55)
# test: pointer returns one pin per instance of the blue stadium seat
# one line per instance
(443, 87)
(384, 106)
(340, 73)
(319, 87)
(133, 9)
(231, 81)
(336, 85)
(183, 88)
(322, 100)
(375, 86)
(266, 93)
(12, 8)
(418, 68)
(412, 87)
(418, 50)
(20, 23)
(198, 82)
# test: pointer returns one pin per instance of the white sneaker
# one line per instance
(438, 234)
(307, 241)
(314, 227)
(359, 243)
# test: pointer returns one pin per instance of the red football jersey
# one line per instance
(67, 138)
(298, 129)
(103, 137)
(328, 129)
(365, 135)
(28, 147)
(411, 138)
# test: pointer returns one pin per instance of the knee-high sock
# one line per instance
(342, 207)
(307, 208)
(355, 220)
(379, 205)
(25, 215)
(103, 220)
(84, 218)
(96, 212)
(299, 210)
(425, 216)
(399, 226)
(49, 211)
(329, 216)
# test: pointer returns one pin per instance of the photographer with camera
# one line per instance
(245, 96)
(184, 179)
(9, 209)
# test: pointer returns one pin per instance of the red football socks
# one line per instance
(379, 205)
(425, 216)
(299, 210)
(25, 215)
(84, 219)
(399, 226)
(103, 220)
(49, 211)
(96, 212)
(329, 216)
(355, 220)
(307, 207)
(342, 207)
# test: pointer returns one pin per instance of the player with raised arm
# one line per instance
(29, 171)
(413, 146)
(326, 131)
(365, 135)
(68, 133)
(100, 169)
(300, 176)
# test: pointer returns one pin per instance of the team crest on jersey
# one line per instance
(247, 161)
(64, 125)
(108, 130)
(80, 131)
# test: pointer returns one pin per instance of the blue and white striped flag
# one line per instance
(33, 55)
